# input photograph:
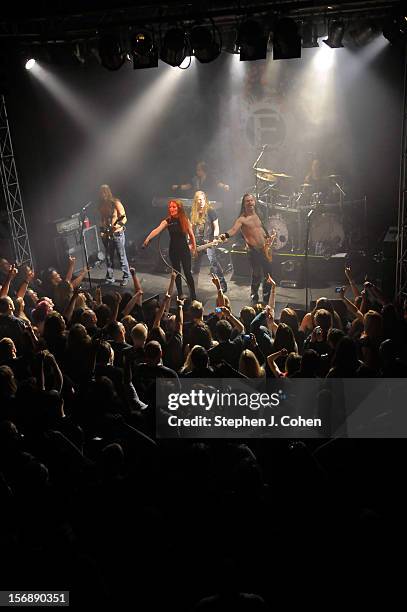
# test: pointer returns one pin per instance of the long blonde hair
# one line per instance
(249, 365)
(196, 218)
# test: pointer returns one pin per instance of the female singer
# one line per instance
(179, 228)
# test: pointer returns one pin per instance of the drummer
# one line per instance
(315, 182)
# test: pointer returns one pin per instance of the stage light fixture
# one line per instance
(362, 33)
(286, 40)
(336, 30)
(30, 63)
(309, 35)
(204, 44)
(111, 51)
(143, 50)
(174, 47)
(252, 41)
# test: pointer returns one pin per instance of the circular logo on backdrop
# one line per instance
(265, 125)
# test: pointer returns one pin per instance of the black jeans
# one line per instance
(178, 256)
(261, 267)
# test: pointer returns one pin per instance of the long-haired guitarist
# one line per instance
(179, 228)
(112, 224)
(259, 243)
(205, 225)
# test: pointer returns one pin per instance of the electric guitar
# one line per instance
(209, 245)
(107, 231)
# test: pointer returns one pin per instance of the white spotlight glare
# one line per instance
(30, 63)
(324, 57)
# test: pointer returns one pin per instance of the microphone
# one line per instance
(86, 205)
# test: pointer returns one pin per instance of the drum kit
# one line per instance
(287, 214)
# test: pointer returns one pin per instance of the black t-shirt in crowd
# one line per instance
(204, 231)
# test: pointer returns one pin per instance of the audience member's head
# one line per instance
(249, 365)
(223, 330)
(115, 331)
(8, 350)
(139, 335)
(200, 334)
(373, 325)
(196, 311)
(153, 353)
(6, 306)
(292, 364)
(290, 318)
(334, 336)
(247, 315)
(8, 385)
(199, 357)
(284, 338)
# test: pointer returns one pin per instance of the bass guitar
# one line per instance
(268, 246)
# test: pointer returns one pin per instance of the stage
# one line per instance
(154, 283)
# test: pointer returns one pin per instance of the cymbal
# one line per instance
(305, 185)
(265, 175)
(282, 175)
(335, 176)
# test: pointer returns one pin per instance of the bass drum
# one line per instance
(276, 224)
(326, 234)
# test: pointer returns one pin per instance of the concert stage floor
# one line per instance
(238, 289)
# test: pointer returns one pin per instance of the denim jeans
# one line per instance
(116, 244)
(215, 266)
(261, 266)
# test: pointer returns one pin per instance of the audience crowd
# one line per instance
(93, 502)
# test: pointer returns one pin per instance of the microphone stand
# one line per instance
(309, 215)
(255, 168)
(342, 194)
(83, 241)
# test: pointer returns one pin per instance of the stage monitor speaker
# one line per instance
(70, 244)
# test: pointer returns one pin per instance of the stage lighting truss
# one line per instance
(144, 51)
(336, 30)
(174, 46)
(252, 40)
(206, 42)
(286, 39)
(112, 51)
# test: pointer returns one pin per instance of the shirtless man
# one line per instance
(112, 220)
(257, 238)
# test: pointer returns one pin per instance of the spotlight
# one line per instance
(252, 41)
(205, 46)
(395, 29)
(30, 63)
(361, 34)
(286, 40)
(174, 47)
(309, 35)
(111, 52)
(143, 50)
(336, 30)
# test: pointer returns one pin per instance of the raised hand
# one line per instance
(270, 281)
(216, 281)
(12, 272)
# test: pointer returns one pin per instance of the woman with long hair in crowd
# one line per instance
(179, 228)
